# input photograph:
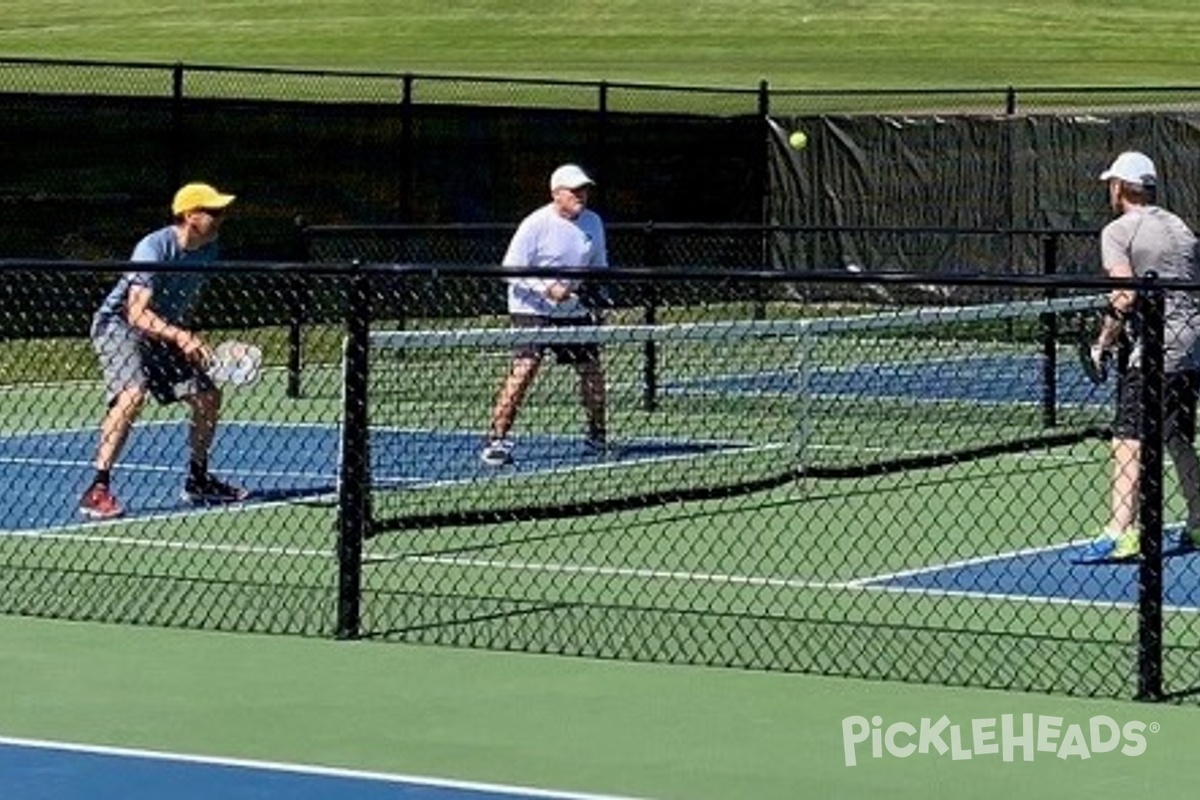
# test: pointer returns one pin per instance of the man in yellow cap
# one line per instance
(141, 336)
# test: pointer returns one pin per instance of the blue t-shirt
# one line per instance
(173, 293)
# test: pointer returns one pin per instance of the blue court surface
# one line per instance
(1053, 573)
(46, 471)
(34, 770)
(1001, 378)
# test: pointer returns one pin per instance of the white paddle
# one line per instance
(235, 363)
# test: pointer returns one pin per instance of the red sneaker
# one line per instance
(100, 503)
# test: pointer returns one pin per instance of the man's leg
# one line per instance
(592, 395)
(1180, 436)
(206, 413)
(98, 501)
(119, 353)
(118, 421)
(201, 485)
(1120, 537)
(1187, 470)
(512, 392)
(1126, 470)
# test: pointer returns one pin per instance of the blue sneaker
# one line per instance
(1099, 549)
(1124, 546)
(1187, 540)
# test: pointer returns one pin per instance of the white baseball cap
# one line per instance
(1132, 167)
(569, 176)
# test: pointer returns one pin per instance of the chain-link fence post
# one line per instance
(1049, 338)
(651, 257)
(354, 473)
(1150, 488)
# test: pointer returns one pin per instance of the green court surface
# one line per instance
(554, 723)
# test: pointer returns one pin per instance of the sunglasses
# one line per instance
(215, 213)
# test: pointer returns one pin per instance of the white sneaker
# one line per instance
(497, 453)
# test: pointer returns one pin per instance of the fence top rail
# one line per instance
(761, 87)
(732, 330)
(698, 227)
(376, 74)
(614, 274)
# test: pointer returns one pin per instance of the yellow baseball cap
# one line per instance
(198, 195)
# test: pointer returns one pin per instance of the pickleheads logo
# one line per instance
(1010, 737)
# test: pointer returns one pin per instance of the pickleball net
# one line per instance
(701, 410)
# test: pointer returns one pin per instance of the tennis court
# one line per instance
(280, 461)
(293, 467)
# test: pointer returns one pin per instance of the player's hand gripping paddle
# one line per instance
(235, 363)
(1095, 361)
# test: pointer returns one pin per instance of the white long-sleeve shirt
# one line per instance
(546, 239)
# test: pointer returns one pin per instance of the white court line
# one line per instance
(513, 791)
(135, 466)
(1043, 599)
(63, 532)
(623, 572)
(168, 544)
(872, 583)
(864, 585)
(911, 398)
(730, 449)
(89, 429)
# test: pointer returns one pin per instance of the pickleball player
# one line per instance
(561, 233)
(145, 348)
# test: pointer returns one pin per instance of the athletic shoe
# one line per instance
(212, 490)
(1188, 539)
(497, 453)
(1099, 549)
(98, 502)
(596, 445)
(1127, 546)
(1112, 547)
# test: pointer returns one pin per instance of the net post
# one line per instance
(404, 173)
(297, 302)
(1150, 493)
(1049, 326)
(650, 258)
(354, 475)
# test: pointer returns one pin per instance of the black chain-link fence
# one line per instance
(853, 486)
(378, 148)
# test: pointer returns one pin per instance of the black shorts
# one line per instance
(1179, 405)
(563, 353)
(170, 375)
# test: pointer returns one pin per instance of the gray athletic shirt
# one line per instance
(174, 293)
(1150, 238)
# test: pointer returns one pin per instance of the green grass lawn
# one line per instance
(791, 43)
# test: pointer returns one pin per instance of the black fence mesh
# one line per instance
(847, 430)
(352, 148)
(861, 487)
